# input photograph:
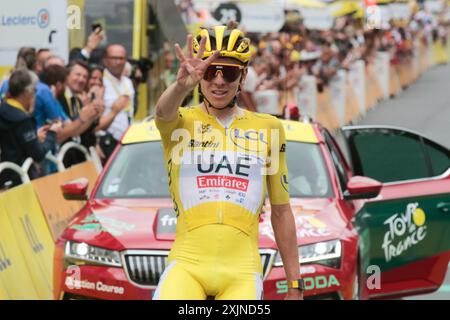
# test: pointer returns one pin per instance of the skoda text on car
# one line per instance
(385, 236)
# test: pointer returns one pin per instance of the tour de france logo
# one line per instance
(43, 18)
(405, 230)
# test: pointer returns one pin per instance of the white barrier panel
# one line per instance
(357, 77)
(400, 11)
(307, 96)
(338, 94)
(267, 101)
(382, 63)
(416, 59)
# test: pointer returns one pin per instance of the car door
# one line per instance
(405, 231)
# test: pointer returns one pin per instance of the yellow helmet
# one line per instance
(230, 43)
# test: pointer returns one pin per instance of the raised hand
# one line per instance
(42, 133)
(56, 126)
(192, 68)
(120, 104)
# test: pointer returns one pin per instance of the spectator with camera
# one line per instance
(19, 138)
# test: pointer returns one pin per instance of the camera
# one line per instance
(96, 26)
(140, 69)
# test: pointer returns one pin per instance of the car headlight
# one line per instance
(83, 252)
(326, 253)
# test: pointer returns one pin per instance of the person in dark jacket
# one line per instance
(19, 139)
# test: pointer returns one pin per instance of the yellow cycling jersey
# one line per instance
(220, 174)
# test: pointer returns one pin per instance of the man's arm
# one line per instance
(169, 101)
(27, 137)
(93, 42)
(119, 105)
(283, 222)
(76, 127)
(283, 225)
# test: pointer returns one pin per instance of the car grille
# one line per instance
(144, 268)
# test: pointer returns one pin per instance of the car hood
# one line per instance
(138, 224)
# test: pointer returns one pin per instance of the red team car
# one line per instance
(377, 229)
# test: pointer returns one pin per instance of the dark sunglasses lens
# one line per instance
(229, 73)
(210, 73)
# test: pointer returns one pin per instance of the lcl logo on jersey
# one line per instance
(249, 140)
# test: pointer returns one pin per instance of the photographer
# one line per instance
(137, 71)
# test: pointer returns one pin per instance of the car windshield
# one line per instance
(138, 171)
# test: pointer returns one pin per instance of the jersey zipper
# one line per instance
(221, 190)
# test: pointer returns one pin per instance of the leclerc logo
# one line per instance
(42, 20)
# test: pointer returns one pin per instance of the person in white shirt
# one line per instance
(116, 86)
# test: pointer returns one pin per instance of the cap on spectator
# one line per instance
(295, 56)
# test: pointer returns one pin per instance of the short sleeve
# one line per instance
(166, 127)
(278, 185)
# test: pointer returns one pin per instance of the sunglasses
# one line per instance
(230, 72)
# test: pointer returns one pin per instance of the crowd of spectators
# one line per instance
(46, 103)
(282, 58)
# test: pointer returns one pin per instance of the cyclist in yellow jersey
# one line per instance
(221, 160)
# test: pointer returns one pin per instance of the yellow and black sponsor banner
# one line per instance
(33, 237)
(440, 54)
(15, 279)
(57, 210)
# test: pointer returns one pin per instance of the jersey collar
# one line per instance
(16, 104)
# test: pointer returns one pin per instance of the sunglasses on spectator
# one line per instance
(230, 72)
(116, 58)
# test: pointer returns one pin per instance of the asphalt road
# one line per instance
(425, 108)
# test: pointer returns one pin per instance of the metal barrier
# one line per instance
(89, 155)
(96, 159)
(21, 171)
(66, 147)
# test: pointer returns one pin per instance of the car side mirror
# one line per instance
(359, 187)
(75, 189)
